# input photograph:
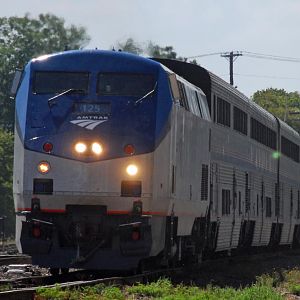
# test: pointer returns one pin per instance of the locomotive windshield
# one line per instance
(57, 82)
(124, 84)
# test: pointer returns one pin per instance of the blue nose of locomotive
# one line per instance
(95, 115)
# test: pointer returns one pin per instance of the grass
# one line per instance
(157, 289)
(96, 292)
(5, 287)
(291, 281)
(162, 290)
(267, 287)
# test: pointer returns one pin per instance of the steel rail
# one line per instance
(29, 293)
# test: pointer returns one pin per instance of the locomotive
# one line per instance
(122, 161)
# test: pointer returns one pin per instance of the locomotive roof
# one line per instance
(83, 56)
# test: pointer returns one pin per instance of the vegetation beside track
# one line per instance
(276, 286)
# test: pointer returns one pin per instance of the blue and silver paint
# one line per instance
(142, 124)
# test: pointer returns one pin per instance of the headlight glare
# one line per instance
(80, 147)
(97, 148)
(132, 170)
(43, 167)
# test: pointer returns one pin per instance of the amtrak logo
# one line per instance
(87, 123)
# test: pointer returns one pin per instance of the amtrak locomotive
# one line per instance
(123, 161)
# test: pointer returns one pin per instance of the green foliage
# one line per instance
(292, 275)
(5, 287)
(97, 292)
(258, 292)
(6, 166)
(270, 280)
(22, 38)
(160, 288)
(292, 281)
(151, 49)
(164, 290)
(155, 50)
(113, 293)
(55, 293)
(281, 104)
(294, 288)
(131, 46)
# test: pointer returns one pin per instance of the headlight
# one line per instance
(80, 147)
(97, 148)
(43, 167)
(132, 170)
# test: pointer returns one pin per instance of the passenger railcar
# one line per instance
(122, 161)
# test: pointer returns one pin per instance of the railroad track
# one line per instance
(6, 259)
(25, 288)
(29, 292)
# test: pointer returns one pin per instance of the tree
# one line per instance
(155, 50)
(281, 104)
(151, 49)
(22, 38)
(6, 165)
(131, 46)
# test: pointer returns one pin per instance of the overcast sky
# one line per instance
(192, 27)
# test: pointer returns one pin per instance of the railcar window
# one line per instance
(191, 98)
(263, 134)
(225, 202)
(214, 109)
(223, 112)
(198, 100)
(174, 87)
(289, 149)
(57, 82)
(202, 101)
(240, 120)
(124, 84)
(268, 207)
(198, 104)
(183, 98)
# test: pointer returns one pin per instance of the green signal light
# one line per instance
(276, 155)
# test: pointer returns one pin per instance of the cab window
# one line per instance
(58, 82)
(124, 84)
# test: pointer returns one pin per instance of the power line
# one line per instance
(270, 56)
(266, 76)
(232, 56)
(253, 55)
(203, 55)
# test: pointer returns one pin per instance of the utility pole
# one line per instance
(232, 56)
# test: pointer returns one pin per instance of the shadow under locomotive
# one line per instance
(86, 237)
